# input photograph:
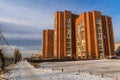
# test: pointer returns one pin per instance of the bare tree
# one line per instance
(17, 56)
(2, 59)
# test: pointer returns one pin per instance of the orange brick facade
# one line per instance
(94, 36)
(85, 36)
(64, 34)
(48, 43)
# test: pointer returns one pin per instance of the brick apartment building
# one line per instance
(94, 36)
(64, 34)
(85, 36)
(48, 43)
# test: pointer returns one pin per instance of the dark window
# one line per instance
(78, 44)
(99, 42)
(98, 30)
(82, 37)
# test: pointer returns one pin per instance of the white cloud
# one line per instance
(33, 47)
(23, 36)
(26, 16)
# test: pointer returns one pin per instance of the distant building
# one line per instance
(117, 44)
(94, 36)
(64, 34)
(47, 43)
(117, 48)
(39, 54)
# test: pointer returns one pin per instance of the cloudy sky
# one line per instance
(23, 20)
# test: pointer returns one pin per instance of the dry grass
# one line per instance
(7, 69)
(4, 71)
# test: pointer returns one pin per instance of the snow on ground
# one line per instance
(81, 76)
(106, 68)
(24, 71)
(14, 74)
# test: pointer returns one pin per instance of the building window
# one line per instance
(82, 32)
(98, 26)
(68, 21)
(68, 31)
(68, 35)
(83, 44)
(82, 26)
(68, 28)
(68, 40)
(78, 31)
(68, 44)
(78, 39)
(98, 21)
(99, 36)
(100, 52)
(83, 48)
(68, 49)
(99, 41)
(82, 23)
(83, 52)
(82, 37)
(100, 47)
(99, 30)
(78, 44)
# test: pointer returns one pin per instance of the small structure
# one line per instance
(117, 48)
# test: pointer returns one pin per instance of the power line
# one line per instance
(2, 36)
(5, 44)
(4, 39)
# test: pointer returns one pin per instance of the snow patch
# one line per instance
(25, 71)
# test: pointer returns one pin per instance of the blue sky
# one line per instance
(23, 20)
